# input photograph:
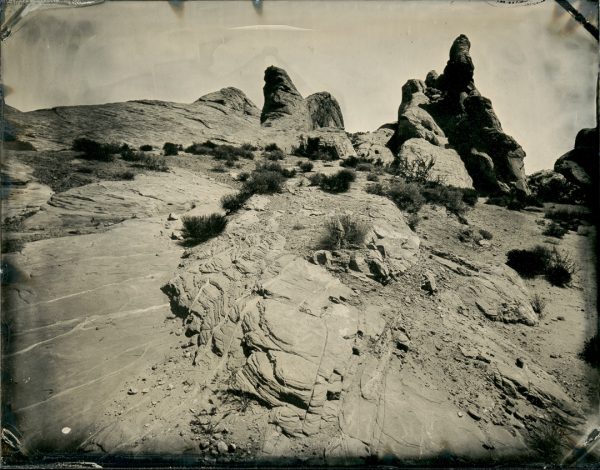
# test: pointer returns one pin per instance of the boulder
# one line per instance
(448, 167)
(324, 111)
(550, 186)
(372, 145)
(326, 143)
(580, 165)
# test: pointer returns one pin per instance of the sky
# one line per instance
(538, 68)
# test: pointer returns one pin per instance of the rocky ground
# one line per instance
(273, 348)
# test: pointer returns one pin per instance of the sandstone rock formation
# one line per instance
(373, 145)
(285, 108)
(330, 143)
(324, 110)
(449, 109)
(550, 186)
(580, 165)
(232, 99)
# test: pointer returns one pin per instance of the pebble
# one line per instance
(222, 448)
(132, 391)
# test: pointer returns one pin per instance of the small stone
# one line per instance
(429, 285)
(132, 391)
(170, 387)
(176, 236)
(222, 448)
(520, 363)
(560, 318)
(460, 414)
(173, 216)
(204, 445)
(145, 390)
(473, 414)
(231, 448)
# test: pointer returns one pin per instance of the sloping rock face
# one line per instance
(232, 99)
(449, 109)
(285, 108)
(224, 116)
(580, 165)
(448, 167)
(324, 110)
(21, 193)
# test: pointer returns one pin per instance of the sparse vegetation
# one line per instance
(372, 177)
(345, 231)
(12, 245)
(93, 150)
(274, 155)
(555, 230)
(591, 351)
(515, 201)
(126, 175)
(306, 166)
(146, 148)
(272, 147)
(314, 149)
(418, 170)
(198, 229)
(468, 234)
(556, 266)
(567, 217)
(337, 183)
(413, 220)
(538, 303)
(486, 234)
(234, 202)
(224, 152)
(548, 441)
(170, 149)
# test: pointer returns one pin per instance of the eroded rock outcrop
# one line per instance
(233, 99)
(448, 109)
(580, 165)
(324, 110)
(285, 108)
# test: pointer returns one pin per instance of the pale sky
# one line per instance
(540, 76)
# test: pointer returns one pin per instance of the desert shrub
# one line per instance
(486, 234)
(315, 180)
(555, 230)
(337, 183)
(350, 162)
(306, 166)
(263, 182)
(222, 151)
(170, 149)
(418, 170)
(85, 169)
(468, 234)
(568, 217)
(469, 196)
(538, 304)
(273, 155)
(548, 440)
(272, 147)
(510, 201)
(126, 175)
(591, 351)
(364, 166)
(407, 196)
(198, 229)
(234, 202)
(276, 167)
(556, 266)
(146, 148)
(376, 188)
(219, 168)
(345, 231)
(561, 269)
(413, 220)
(154, 163)
(12, 245)
(372, 177)
(530, 263)
(243, 176)
(249, 147)
(93, 150)
(447, 196)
